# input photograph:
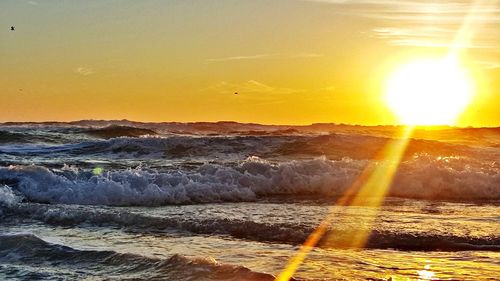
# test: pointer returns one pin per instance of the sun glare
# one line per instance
(429, 92)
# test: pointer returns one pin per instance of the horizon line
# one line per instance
(249, 123)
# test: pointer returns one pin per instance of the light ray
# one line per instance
(376, 179)
(466, 32)
(369, 190)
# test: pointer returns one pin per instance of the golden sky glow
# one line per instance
(291, 61)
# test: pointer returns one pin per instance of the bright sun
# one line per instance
(429, 92)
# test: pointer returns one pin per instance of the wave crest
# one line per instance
(422, 177)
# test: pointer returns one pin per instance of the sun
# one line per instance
(429, 92)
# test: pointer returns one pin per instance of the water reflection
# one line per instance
(426, 273)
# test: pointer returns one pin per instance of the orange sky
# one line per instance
(291, 61)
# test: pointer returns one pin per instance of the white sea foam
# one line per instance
(7, 196)
(447, 178)
(420, 177)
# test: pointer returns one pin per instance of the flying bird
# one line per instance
(236, 93)
(12, 28)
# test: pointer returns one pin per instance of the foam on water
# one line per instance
(7, 196)
(420, 177)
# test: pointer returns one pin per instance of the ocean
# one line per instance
(122, 200)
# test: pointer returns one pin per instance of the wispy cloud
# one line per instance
(85, 71)
(250, 87)
(233, 58)
(306, 55)
(34, 3)
(264, 56)
(428, 23)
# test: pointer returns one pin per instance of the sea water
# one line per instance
(97, 200)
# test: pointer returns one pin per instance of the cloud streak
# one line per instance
(250, 87)
(236, 58)
(428, 23)
(264, 56)
(84, 71)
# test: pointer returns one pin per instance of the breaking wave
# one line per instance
(421, 177)
(29, 249)
(7, 196)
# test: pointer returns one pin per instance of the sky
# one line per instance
(290, 61)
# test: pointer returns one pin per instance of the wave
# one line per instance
(23, 137)
(147, 144)
(155, 147)
(29, 249)
(182, 146)
(414, 242)
(65, 134)
(359, 146)
(7, 199)
(423, 177)
(9, 137)
(286, 233)
(247, 181)
(234, 148)
(7, 196)
(114, 131)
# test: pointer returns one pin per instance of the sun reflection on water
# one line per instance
(426, 273)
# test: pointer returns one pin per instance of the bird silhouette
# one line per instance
(236, 93)
(12, 28)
